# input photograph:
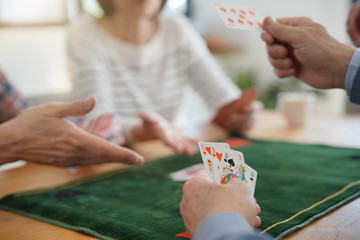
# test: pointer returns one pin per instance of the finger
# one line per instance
(237, 183)
(267, 38)
(150, 117)
(201, 175)
(107, 152)
(282, 73)
(76, 108)
(283, 63)
(190, 147)
(257, 222)
(277, 51)
(295, 21)
(176, 144)
(254, 108)
(281, 30)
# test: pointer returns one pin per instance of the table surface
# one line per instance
(333, 130)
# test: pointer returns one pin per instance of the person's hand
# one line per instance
(156, 127)
(41, 135)
(203, 198)
(353, 24)
(239, 120)
(302, 48)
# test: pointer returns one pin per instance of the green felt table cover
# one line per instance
(296, 185)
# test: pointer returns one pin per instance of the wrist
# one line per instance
(6, 143)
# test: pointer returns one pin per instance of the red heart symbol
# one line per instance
(208, 150)
(204, 153)
(219, 156)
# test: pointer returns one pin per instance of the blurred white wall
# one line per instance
(32, 11)
(34, 59)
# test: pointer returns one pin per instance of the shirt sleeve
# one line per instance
(205, 75)
(11, 102)
(352, 79)
(227, 226)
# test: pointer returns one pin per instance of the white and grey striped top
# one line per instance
(127, 79)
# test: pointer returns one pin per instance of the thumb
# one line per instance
(75, 108)
(280, 31)
(150, 118)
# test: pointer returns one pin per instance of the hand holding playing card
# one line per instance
(203, 198)
(223, 164)
(156, 127)
(240, 115)
(302, 48)
(241, 122)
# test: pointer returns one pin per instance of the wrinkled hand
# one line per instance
(41, 135)
(353, 24)
(156, 127)
(302, 48)
(203, 198)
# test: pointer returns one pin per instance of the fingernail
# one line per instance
(140, 160)
(88, 103)
(263, 35)
(271, 21)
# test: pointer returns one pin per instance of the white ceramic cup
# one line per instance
(296, 107)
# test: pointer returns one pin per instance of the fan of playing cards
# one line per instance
(223, 164)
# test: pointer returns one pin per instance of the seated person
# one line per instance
(139, 63)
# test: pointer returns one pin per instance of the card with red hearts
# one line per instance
(239, 17)
(212, 154)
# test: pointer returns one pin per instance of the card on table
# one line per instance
(239, 17)
(185, 174)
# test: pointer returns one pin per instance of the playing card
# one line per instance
(185, 174)
(232, 166)
(239, 17)
(223, 164)
(218, 152)
(212, 154)
(205, 150)
(251, 176)
(99, 124)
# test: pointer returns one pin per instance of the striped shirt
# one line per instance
(127, 79)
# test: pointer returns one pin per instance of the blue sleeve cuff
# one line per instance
(227, 226)
(352, 70)
(352, 79)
